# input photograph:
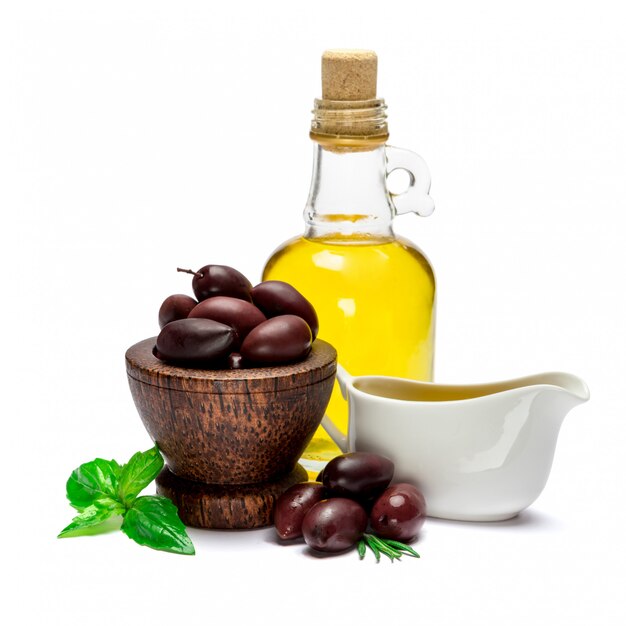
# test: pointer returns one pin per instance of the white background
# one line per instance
(138, 136)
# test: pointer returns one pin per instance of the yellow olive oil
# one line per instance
(375, 303)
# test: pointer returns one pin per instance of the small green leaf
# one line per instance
(94, 514)
(361, 548)
(383, 546)
(402, 547)
(153, 521)
(373, 547)
(138, 473)
(93, 481)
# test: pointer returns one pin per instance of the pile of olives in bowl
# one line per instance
(231, 324)
(353, 492)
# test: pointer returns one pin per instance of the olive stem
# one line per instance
(196, 274)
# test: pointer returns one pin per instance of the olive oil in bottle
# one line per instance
(374, 293)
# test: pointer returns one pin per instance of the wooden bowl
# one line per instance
(238, 432)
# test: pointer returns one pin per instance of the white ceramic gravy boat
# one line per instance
(477, 452)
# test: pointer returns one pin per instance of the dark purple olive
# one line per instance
(195, 340)
(241, 315)
(219, 280)
(293, 505)
(359, 475)
(280, 339)
(176, 307)
(274, 297)
(235, 361)
(399, 512)
(334, 525)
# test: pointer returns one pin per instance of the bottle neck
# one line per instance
(348, 200)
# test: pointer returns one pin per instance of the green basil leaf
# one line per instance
(94, 514)
(138, 473)
(153, 521)
(93, 481)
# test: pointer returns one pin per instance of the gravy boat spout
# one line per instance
(478, 452)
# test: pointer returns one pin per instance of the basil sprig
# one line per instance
(101, 489)
(138, 473)
(153, 521)
(93, 481)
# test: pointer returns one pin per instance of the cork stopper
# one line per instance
(349, 117)
(349, 75)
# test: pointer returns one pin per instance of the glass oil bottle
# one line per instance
(374, 292)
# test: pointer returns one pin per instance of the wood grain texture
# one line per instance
(226, 506)
(231, 427)
(143, 366)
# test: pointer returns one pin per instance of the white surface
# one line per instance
(138, 136)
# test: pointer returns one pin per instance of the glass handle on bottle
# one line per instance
(415, 198)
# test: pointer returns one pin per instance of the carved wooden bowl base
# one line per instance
(226, 506)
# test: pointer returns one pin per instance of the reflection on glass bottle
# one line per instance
(374, 292)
